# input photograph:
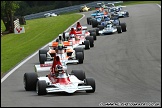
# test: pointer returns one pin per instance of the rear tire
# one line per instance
(42, 58)
(91, 41)
(30, 80)
(80, 74)
(79, 57)
(42, 52)
(79, 50)
(123, 26)
(86, 43)
(94, 35)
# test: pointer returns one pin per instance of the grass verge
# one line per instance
(38, 32)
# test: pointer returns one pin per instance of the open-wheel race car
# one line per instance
(64, 50)
(110, 28)
(58, 80)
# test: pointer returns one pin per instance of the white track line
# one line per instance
(13, 70)
(159, 5)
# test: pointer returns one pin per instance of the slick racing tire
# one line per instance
(91, 40)
(88, 20)
(30, 80)
(87, 44)
(80, 74)
(41, 87)
(123, 26)
(100, 27)
(79, 57)
(42, 52)
(94, 23)
(119, 29)
(94, 35)
(42, 58)
(79, 50)
(90, 82)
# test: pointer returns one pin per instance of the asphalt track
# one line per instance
(126, 68)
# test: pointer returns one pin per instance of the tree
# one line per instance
(8, 9)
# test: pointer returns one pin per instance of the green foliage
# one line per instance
(3, 26)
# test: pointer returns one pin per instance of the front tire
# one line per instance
(91, 82)
(41, 87)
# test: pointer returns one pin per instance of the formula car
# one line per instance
(58, 80)
(119, 12)
(50, 14)
(67, 54)
(110, 28)
(81, 36)
(84, 9)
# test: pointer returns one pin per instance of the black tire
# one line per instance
(94, 35)
(97, 32)
(42, 52)
(30, 80)
(127, 14)
(91, 82)
(87, 44)
(91, 31)
(88, 20)
(41, 87)
(119, 30)
(79, 57)
(42, 58)
(100, 27)
(94, 23)
(79, 50)
(123, 26)
(80, 74)
(91, 40)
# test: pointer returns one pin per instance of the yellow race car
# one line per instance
(84, 9)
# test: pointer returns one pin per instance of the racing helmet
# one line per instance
(60, 46)
(59, 68)
(79, 28)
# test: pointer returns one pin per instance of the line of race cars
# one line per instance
(66, 49)
(106, 19)
(69, 48)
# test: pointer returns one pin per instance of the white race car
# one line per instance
(64, 50)
(50, 14)
(110, 28)
(59, 80)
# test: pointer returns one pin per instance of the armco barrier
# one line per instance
(65, 9)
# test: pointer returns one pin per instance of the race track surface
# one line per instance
(126, 67)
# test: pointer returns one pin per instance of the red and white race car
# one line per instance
(78, 35)
(58, 80)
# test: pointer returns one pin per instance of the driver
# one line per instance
(78, 26)
(72, 34)
(58, 68)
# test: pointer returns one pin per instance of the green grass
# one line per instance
(38, 32)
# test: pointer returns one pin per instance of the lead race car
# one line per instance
(58, 80)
